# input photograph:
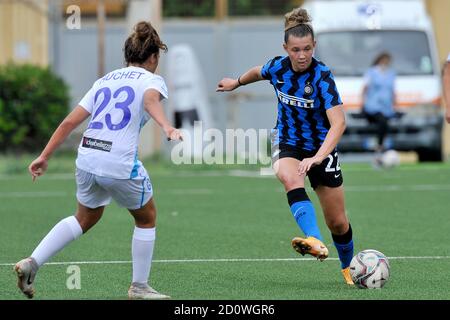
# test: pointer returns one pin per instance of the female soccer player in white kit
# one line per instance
(107, 167)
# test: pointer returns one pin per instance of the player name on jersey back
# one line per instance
(119, 75)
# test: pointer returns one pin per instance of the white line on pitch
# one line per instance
(33, 194)
(228, 260)
(215, 173)
(200, 192)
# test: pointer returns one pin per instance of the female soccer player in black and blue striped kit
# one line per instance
(309, 126)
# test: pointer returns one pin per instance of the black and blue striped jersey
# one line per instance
(303, 98)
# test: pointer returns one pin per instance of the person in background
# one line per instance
(379, 98)
(446, 84)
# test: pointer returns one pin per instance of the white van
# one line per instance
(350, 34)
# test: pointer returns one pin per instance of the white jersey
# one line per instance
(109, 145)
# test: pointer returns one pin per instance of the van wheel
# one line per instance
(430, 155)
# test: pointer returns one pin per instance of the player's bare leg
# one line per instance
(333, 206)
(88, 217)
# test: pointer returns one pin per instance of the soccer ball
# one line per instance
(390, 159)
(369, 269)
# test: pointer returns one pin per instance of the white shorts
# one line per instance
(95, 191)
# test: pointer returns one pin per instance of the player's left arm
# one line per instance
(153, 105)
(336, 117)
(72, 120)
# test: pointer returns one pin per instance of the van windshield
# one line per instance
(351, 53)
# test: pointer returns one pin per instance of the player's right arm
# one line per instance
(252, 75)
(73, 120)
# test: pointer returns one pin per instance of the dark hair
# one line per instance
(142, 43)
(381, 56)
(297, 23)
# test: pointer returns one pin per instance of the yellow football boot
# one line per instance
(311, 246)
(347, 276)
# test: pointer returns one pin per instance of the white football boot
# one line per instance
(144, 291)
(26, 272)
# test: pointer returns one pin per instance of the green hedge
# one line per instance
(33, 101)
(206, 8)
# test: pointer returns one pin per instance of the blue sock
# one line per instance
(344, 246)
(303, 212)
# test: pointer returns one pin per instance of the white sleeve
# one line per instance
(448, 58)
(88, 100)
(158, 84)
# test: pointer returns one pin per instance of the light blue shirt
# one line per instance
(380, 91)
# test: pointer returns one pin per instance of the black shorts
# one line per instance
(190, 116)
(377, 117)
(328, 173)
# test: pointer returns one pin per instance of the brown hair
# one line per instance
(380, 57)
(142, 43)
(297, 23)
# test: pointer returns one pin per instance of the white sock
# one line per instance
(142, 253)
(60, 236)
